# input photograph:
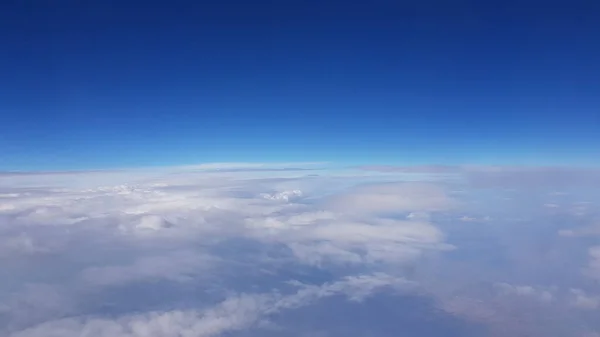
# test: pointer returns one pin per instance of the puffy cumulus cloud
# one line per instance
(283, 196)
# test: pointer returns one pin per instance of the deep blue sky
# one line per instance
(99, 84)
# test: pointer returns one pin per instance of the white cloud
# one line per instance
(392, 198)
(218, 242)
(20, 244)
(331, 237)
(581, 300)
(538, 293)
(593, 269)
(424, 216)
(235, 313)
(593, 230)
(283, 196)
(92, 238)
(232, 314)
(356, 288)
(34, 303)
(179, 266)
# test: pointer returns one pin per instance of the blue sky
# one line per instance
(107, 84)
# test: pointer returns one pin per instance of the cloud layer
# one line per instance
(234, 248)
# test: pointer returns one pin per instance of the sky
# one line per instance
(114, 84)
(299, 168)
